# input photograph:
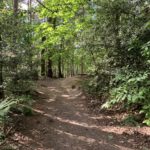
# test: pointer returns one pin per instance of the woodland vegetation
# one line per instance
(107, 39)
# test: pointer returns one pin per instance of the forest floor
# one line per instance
(63, 121)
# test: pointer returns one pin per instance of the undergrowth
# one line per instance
(11, 110)
(127, 89)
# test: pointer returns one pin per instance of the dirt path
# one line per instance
(62, 122)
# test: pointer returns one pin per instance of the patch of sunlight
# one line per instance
(78, 114)
(39, 111)
(66, 96)
(22, 138)
(78, 94)
(72, 95)
(53, 90)
(73, 122)
(82, 124)
(121, 130)
(122, 147)
(81, 138)
(41, 92)
(97, 118)
(24, 6)
(112, 129)
(68, 89)
(51, 100)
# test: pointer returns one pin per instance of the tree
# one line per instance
(118, 33)
(63, 23)
(1, 59)
(1, 71)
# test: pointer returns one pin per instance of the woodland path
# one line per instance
(62, 122)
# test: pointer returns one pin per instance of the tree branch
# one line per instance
(45, 6)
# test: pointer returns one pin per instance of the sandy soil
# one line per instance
(62, 122)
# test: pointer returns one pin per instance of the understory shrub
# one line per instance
(132, 88)
(99, 84)
(11, 107)
(128, 89)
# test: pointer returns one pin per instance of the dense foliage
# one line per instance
(17, 58)
(61, 24)
(120, 38)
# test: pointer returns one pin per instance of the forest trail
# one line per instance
(62, 122)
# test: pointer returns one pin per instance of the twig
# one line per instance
(45, 6)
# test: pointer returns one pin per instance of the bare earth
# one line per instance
(62, 122)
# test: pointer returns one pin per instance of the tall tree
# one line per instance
(1, 70)
(1, 60)
(15, 2)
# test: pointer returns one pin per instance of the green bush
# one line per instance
(10, 106)
(132, 89)
(99, 84)
(146, 110)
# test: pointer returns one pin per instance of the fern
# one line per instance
(5, 106)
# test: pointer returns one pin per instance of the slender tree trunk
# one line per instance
(16, 6)
(14, 65)
(60, 75)
(63, 67)
(67, 68)
(1, 71)
(55, 72)
(30, 35)
(15, 12)
(76, 69)
(72, 66)
(29, 11)
(82, 66)
(49, 72)
(1, 62)
(43, 63)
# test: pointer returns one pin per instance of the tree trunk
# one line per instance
(60, 75)
(1, 71)
(16, 7)
(82, 65)
(72, 65)
(49, 65)
(29, 11)
(1, 63)
(30, 53)
(42, 63)
(63, 67)
(50, 71)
